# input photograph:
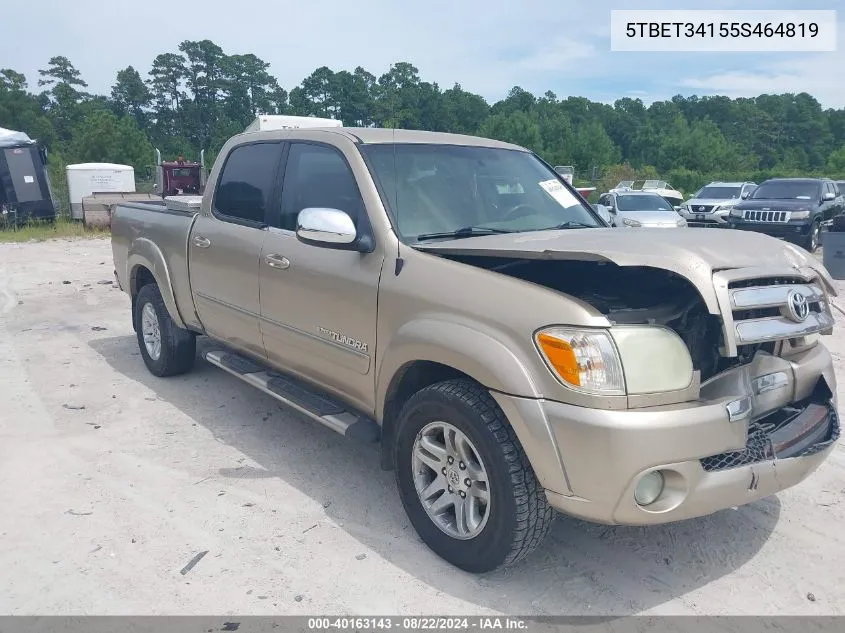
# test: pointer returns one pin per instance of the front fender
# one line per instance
(145, 253)
(474, 353)
(492, 364)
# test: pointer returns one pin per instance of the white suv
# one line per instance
(711, 205)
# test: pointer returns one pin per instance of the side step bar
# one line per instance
(298, 395)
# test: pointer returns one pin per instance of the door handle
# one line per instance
(202, 242)
(277, 261)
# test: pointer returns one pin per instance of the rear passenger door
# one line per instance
(318, 309)
(225, 245)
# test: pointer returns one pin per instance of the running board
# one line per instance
(298, 395)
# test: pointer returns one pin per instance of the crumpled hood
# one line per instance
(692, 253)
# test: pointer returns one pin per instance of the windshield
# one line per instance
(787, 190)
(719, 193)
(642, 202)
(437, 188)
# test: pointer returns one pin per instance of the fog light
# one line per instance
(649, 488)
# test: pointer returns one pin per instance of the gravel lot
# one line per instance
(113, 480)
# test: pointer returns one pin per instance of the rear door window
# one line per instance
(245, 189)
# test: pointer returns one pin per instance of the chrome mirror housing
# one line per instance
(329, 227)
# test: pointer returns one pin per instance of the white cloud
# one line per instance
(819, 74)
(557, 56)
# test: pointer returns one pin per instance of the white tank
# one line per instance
(87, 178)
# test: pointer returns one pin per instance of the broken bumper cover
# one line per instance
(708, 462)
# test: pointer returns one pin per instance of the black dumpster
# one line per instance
(24, 186)
(833, 248)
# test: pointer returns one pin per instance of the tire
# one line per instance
(811, 242)
(517, 517)
(177, 348)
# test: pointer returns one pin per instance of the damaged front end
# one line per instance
(636, 296)
(761, 411)
(751, 315)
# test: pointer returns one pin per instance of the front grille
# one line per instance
(758, 447)
(777, 308)
(766, 216)
(701, 208)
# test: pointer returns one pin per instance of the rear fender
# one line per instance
(145, 253)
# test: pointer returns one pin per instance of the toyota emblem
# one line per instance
(798, 307)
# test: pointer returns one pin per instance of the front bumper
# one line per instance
(794, 229)
(709, 463)
(717, 220)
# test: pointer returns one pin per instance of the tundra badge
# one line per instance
(343, 339)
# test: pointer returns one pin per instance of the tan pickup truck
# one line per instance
(454, 299)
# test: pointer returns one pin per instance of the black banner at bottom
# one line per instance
(423, 624)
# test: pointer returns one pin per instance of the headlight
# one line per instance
(681, 222)
(736, 213)
(630, 222)
(654, 359)
(799, 215)
(585, 360)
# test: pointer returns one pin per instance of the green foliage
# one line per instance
(836, 162)
(103, 137)
(196, 97)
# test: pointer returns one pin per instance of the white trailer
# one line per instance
(288, 122)
(85, 179)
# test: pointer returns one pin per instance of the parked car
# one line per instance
(641, 209)
(454, 299)
(660, 187)
(790, 208)
(711, 205)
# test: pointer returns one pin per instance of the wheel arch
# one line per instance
(427, 352)
(146, 264)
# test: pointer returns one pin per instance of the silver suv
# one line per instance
(711, 205)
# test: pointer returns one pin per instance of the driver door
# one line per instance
(318, 304)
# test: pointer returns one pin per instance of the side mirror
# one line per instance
(828, 196)
(330, 228)
(744, 195)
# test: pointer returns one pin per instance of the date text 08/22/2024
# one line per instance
(415, 623)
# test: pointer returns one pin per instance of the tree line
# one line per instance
(198, 96)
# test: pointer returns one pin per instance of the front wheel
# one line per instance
(811, 242)
(465, 480)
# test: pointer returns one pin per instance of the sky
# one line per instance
(488, 46)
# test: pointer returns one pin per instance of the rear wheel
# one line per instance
(465, 480)
(166, 348)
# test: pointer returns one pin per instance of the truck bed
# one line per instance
(155, 233)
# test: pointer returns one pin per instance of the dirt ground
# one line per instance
(113, 480)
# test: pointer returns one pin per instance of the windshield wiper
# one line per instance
(570, 225)
(467, 231)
